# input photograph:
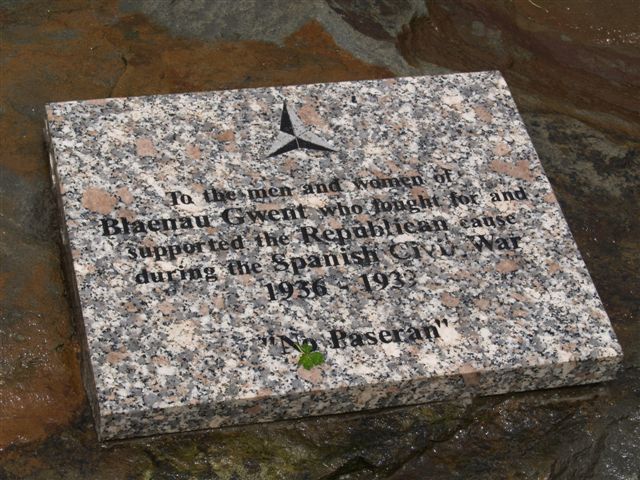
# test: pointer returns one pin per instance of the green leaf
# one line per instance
(303, 348)
(306, 362)
(317, 358)
(308, 358)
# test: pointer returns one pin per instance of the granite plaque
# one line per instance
(250, 255)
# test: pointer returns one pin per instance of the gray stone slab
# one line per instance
(403, 229)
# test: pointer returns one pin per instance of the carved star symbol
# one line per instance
(294, 134)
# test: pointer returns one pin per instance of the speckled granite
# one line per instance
(404, 228)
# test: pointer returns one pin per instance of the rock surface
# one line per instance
(574, 69)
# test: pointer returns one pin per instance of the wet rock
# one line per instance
(574, 70)
(582, 59)
(366, 29)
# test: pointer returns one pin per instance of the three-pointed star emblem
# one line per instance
(294, 134)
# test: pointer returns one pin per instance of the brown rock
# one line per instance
(483, 114)
(125, 195)
(313, 376)
(309, 116)
(502, 149)
(507, 266)
(470, 375)
(98, 200)
(449, 300)
(226, 136)
(193, 152)
(482, 303)
(145, 147)
(518, 170)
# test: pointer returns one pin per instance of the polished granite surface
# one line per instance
(402, 228)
